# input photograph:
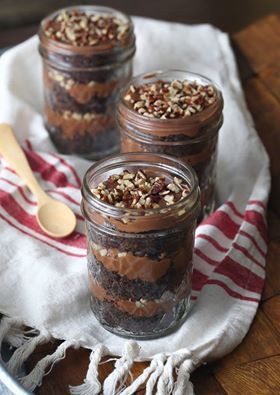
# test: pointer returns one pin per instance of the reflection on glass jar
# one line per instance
(140, 212)
(175, 113)
(87, 57)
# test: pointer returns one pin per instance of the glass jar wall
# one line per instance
(186, 128)
(87, 57)
(140, 259)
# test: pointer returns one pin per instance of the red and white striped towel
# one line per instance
(43, 281)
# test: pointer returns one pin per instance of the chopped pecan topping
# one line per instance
(140, 191)
(82, 29)
(168, 100)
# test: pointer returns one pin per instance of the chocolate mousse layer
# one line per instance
(77, 133)
(143, 267)
(87, 52)
(67, 93)
(134, 289)
(140, 275)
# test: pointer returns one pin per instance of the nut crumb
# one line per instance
(169, 100)
(79, 28)
(139, 191)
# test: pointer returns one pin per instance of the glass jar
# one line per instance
(81, 84)
(192, 139)
(140, 260)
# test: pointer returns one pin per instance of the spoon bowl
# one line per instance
(56, 219)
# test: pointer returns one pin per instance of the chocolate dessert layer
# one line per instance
(138, 267)
(142, 224)
(72, 123)
(191, 153)
(82, 93)
(129, 325)
(60, 100)
(120, 286)
(88, 145)
(155, 245)
(138, 308)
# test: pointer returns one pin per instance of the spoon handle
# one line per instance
(14, 155)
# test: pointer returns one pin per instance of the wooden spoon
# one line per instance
(54, 217)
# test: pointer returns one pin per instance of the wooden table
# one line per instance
(252, 368)
(229, 16)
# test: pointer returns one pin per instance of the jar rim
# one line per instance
(178, 124)
(86, 50)
(112, 161)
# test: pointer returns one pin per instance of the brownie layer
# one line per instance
(113, 319)
(196, 154)
(60, 99)
(64, 92)
(84, 144)
(121, 286)
(72, 123)
(150, 244)
(137, 267)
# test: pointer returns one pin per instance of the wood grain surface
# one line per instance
(230, 16)
(254, 366)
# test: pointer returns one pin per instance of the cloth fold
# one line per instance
(43, 282)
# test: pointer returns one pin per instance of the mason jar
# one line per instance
(191, 138)
(87, 57)
(140, 257)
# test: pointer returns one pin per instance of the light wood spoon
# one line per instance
(55, 218)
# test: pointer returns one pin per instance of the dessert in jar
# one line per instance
(176, 113)
(87, 56)
(140, 212)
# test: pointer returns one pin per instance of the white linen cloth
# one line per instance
(43, 282)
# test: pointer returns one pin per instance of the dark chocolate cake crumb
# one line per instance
(108, 313)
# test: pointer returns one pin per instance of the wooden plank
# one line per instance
(254, 378)
(69, 371)
(271, 308)
(205, 383)
(261, 341)
(233, 17)
(272, 281)
(266, 113)
(260, 42)
(72, 370)
(272, 284)
(270, 77)
(273, 222)
(244, 67)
